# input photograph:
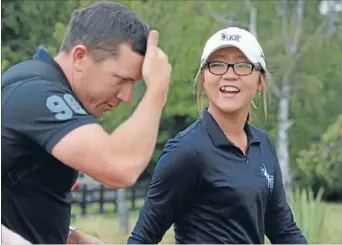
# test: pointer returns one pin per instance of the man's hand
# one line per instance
(156, 69)
(78, 237)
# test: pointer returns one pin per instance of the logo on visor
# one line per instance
(230, 37)
(262, 55)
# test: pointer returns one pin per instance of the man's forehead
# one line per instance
(123, 75)
(129, 63)
(128, 70)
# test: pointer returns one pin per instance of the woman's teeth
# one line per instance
(229, 89)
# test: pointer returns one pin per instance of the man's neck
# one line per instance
(64, 63)
(231, 124)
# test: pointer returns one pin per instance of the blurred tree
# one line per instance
(184, 27)
(27, 24)
(321, 164)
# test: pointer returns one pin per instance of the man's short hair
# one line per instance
(101, 27)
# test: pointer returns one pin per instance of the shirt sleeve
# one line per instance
(175, 176)
(280, 226)
(43, 112)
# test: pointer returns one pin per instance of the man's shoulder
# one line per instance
(30, 74)
(33, 82)
(35, 71)
(35, 99)
(30, 91)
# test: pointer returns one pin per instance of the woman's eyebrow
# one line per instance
(217, 56)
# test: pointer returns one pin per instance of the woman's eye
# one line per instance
(243, 65)
(217, 64)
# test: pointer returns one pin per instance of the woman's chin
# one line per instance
(227, 109)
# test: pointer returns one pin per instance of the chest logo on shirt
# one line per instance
(269, 177)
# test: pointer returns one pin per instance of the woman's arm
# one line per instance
(175, 175)
(280, 226)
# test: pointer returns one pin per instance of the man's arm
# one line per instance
(280, 226)
(176, 176)
(49, 115)
(77, 140)
(10, 237)
(115, 159)
(118, 159)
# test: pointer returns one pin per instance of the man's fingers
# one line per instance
(152, 42)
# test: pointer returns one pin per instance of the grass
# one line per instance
(107, 207)
(106, 226)
(333, 230)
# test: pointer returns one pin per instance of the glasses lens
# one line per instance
(217, 68)
(243, 68)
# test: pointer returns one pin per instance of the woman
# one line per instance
(219, 180)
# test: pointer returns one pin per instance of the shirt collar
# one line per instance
(216, 134)
(43, 55)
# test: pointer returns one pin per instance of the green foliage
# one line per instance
(309, 213)
(94, 234)
(321, 164)
(184, 28)
(26, 25)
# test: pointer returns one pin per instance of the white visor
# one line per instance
(238, 38)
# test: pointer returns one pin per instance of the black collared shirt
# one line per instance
(214, 194)
(38, 109)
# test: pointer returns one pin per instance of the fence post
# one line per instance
(133, 196)
(122, 211)
(115, 202)
(102, 190)
(83, 203)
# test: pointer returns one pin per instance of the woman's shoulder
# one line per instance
(189, 136)
(186, 141)
(263, 136)
(181, 152)
(260, 133)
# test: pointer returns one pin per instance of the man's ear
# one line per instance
(79, 55)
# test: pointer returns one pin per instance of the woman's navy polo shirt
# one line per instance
(213, 193)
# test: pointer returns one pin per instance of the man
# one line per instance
(49, 111)
(10, 237)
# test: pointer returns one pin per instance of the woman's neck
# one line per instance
(231, 124)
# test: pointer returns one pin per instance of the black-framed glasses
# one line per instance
(240, 68)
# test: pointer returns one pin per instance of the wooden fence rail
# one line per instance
(92, 199)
